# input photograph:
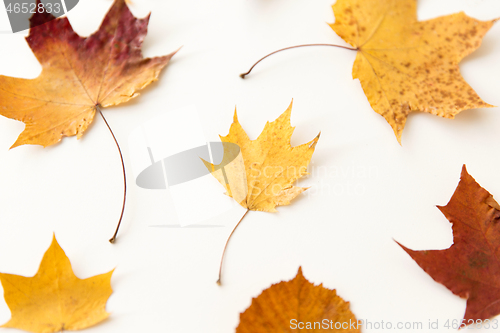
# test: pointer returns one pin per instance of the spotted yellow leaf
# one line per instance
(405, 65)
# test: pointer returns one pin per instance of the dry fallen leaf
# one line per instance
(298, 306)
(79, 75)
(261, 177)
(55, 299)
(405, 65)
(470, 268)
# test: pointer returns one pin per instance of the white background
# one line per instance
(372, 191)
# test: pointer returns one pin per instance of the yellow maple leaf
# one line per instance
(405, 65)
(55, 299)
(79, 75)
(261, 177)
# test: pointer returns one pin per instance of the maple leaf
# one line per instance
(470, 268)
(55, 299)
(79, 75)
(405, 65)
(262, 177)
(285, 304)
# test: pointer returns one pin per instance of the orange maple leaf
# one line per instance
(298, 305)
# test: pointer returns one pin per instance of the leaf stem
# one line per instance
(113, 239)
(293, 47)
(219, 282)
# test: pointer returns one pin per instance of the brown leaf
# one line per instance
(298, 306)
(470, 268)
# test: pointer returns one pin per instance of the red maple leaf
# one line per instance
(470, 268)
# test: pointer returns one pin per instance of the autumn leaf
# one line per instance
(262, 177)
(55, 299)
(79, 75)
(298, 305)
(470, 268)
(262, 174)
(405, 65)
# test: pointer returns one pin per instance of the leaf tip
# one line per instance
(299, 272)
(235, 116)
(402, 246)
(464, 173)
(55, 244)
(288, 110)
(314, 141)
(398, 137)
(18, 143)
(173, 53)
